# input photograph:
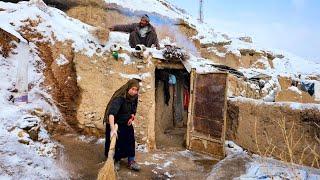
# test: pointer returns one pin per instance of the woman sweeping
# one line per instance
(121, 109)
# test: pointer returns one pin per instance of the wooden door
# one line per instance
(207, 113)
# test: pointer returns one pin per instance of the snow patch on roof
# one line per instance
(292, 105)
(137, 76)
(53, 25)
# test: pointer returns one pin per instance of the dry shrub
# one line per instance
(6, 43)
(296, 149)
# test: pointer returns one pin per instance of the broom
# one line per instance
(107, 172)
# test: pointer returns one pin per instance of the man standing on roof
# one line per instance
(140, 33)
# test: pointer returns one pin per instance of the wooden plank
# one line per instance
(214, 149)
(190, 107)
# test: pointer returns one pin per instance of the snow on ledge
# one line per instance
(292, 105)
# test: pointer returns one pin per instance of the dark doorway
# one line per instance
(172, 100)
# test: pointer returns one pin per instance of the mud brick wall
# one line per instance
(275, 129)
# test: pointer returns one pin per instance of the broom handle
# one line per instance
(112, 143)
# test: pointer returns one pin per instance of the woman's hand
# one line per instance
(131, 119)
(113, 132)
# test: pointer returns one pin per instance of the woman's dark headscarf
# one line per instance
(123, 92)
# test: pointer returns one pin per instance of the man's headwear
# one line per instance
(146, 17)
(123, 92)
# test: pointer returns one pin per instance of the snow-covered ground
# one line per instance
(240, 165)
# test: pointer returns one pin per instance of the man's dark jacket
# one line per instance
(135, 38)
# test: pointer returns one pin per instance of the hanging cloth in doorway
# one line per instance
(164, 77)
(186, 98)
(172, 79)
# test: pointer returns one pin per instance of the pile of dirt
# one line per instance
(248, 58)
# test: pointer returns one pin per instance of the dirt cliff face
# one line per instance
(60, 80)
(270, 129)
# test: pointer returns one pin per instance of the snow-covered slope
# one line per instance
(20, 156)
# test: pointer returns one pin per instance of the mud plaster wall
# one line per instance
(98, 79)
(60, 80)
(260, 129)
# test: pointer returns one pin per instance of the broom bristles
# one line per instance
(107, 172)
